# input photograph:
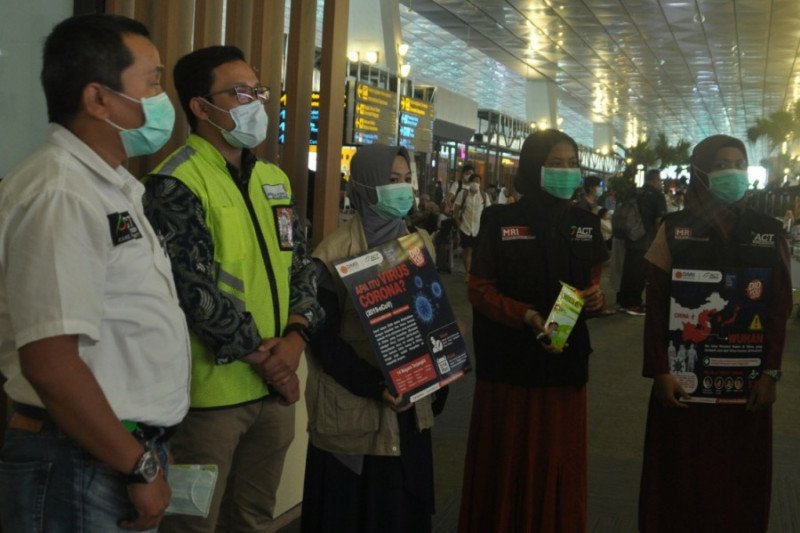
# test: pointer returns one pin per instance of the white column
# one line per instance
(541, 105)
(603, 135)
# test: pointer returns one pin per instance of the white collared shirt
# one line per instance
(471, 207)
(78, 257)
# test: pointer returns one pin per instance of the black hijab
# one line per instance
(699, 199)
(528, 180)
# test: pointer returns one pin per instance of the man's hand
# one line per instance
(261, 354)
(763, 394)
(150, 500)
(289, 389)
(283, 358)
(667, 390)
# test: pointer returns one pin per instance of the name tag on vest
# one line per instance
(275, 192)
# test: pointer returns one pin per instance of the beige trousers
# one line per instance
(248, 443)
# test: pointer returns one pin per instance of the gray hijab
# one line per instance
(371, 167)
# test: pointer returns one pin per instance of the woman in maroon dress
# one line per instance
(708, 467)
(526, 459)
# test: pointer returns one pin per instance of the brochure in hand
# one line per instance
(562, 317)
(715, 340)
(401, 302)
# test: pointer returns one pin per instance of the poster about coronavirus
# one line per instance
(403, 307)
(715, 340)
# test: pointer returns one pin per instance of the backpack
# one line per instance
(626, 222)
(447, 205)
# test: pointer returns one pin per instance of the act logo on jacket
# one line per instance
(581, 233)
(762, 240)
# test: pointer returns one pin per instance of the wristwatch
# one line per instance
(300, 329)
(774, 374)
(146, 469)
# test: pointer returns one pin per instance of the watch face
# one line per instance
(149, 466)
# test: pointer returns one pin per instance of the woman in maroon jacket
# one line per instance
(526, 459)
(708, 466)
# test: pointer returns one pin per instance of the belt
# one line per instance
(32, 418)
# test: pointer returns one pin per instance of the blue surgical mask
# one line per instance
(250, 125)
(159, 119)
(728, 185)
(394, 200)
(561, 182)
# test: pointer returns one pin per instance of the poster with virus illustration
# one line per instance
(715, 340)
(403, 307)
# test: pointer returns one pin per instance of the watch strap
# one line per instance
(301, 329)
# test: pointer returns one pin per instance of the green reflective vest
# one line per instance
(257, 286)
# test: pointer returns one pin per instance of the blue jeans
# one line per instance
(49, 484)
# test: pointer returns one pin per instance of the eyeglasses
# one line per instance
(245, 94)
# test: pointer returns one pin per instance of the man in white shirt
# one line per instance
(457, 186)
(467, 210)
(92, 339)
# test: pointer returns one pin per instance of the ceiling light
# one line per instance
(372, 57)
(402, 49)
(353, 56)
(405, 70)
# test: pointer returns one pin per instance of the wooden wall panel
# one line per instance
(121, 7)
(299, 75)
(239, 25)
(208, 23)
(266, 54)
(334, 52)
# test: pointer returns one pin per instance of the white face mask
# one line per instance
(474, 187)
(250, 125)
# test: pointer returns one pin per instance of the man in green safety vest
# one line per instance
(245, 282)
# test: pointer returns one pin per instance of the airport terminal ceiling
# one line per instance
(688, 68)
